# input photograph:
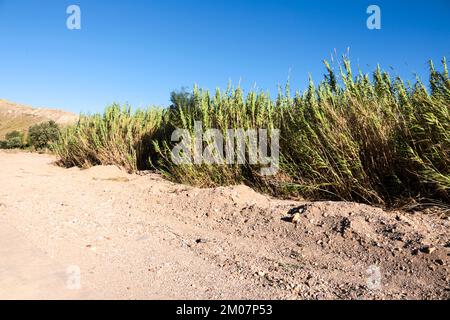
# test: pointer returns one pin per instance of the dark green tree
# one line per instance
(40, 136)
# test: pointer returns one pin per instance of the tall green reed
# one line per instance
(367, 138)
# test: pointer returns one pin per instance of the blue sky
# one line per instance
(138, 51)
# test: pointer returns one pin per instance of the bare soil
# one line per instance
(142, 237)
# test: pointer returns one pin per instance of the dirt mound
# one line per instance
(333, 251)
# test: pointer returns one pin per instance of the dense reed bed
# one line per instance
(366, 138)
(117, 137)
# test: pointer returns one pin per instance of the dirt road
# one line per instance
(104, 234)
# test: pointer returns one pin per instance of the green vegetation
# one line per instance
(118, 137)
(351, 137)
(41, 135)
(13, 140)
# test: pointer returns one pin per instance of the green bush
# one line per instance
(13, 140)
(14, 143)
(41, 136)
(14, 134)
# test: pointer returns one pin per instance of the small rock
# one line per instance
(345, 224)
(299, 210)
(296, 219)
(428, 249)
(439, 262)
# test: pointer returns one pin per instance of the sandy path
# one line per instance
(28, 273)
(141, 237)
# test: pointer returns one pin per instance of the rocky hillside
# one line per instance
(14, 116)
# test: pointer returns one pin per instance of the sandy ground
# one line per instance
(104, 234)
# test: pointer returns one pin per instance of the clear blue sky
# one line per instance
(138, 51)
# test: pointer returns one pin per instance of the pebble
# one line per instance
(439, 262)
(428, 249)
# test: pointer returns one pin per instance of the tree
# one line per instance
(182, 102)
(40, 136)
(180, 98)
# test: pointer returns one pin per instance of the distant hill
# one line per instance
(19, 117)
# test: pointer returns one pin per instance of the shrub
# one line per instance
(42, 135)
(14, 143)
(13, 140)
(14, 134)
